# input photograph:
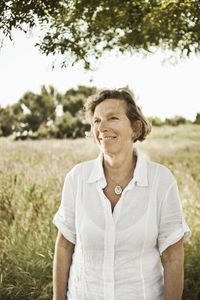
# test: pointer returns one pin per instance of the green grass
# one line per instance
(31, 179)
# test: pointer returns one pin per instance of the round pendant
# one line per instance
(118, 190)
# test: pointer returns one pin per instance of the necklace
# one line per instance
(118, 189)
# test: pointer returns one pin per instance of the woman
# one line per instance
(119, 213)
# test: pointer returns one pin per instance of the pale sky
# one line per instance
(162, 90)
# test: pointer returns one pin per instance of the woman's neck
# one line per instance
(119, 166)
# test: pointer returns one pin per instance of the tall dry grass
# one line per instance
(31, 179)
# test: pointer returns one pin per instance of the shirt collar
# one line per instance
(140, 173)
(97, 172)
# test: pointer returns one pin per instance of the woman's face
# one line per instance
(111, 127)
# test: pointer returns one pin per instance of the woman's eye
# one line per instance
(114, 118)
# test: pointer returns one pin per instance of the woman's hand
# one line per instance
(173, 263)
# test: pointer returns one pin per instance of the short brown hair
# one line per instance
(133, 112)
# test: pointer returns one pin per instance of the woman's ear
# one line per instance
(137, 129)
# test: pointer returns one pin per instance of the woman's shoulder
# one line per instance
(82, 168)
(160, 173)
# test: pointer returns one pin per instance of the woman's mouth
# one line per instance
(107, 138)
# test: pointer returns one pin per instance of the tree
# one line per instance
(74, 99)
(10, 119)
(176, 120)
(69, 126)
(72, 122)
(36, 115)
(197, 120)
(155, 121)
(6, 121)
(39, 108)
(83, 29)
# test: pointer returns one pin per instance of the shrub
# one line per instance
(197, 120)
(155, 121)
(177, 120)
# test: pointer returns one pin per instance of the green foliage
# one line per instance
(9, 117)
(197, 120)
(82, 30)
(177, 120)
(73, 104)
(6, 121)
(74, 99)
(35, 116)
(85, 91)
(155, 121)
(41, 108)
(69, 126)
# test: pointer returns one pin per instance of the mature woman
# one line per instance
(119, 213)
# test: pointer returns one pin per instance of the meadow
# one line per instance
(31, 179)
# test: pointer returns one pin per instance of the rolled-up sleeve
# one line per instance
(64, 219)
(172, 225)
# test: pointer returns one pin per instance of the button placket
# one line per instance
(119, 204)
(109, 253)
(109, 249)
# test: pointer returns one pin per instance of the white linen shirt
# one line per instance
(117, 255)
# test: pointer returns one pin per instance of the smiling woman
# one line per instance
(119, 213)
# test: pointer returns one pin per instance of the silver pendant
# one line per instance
(118, 190)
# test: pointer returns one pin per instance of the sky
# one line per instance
(161, 89)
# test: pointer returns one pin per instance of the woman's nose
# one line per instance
(102, 126)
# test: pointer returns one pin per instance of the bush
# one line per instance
(155, 121)
(197, 120)
(69, 126)
(177, 120)
(66, 126)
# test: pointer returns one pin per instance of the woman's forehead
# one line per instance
(109, 106)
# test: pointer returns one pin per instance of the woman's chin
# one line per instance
(107, 149)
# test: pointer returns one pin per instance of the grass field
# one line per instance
(31, 179)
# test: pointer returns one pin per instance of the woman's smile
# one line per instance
(107, 138)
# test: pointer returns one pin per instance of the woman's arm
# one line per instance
(61, 265)
(173, 263)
